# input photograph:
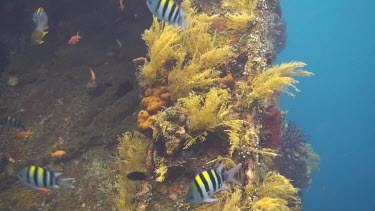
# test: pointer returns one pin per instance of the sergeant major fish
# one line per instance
(13, 122)
(168, 11)
(37, 177)
(40, 20)
(209, 182)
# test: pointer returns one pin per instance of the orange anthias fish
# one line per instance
(11, 160)
(58, 153)
(74, 39)
(122, 5)
(24, 134)
(43, 190)
(92, 75)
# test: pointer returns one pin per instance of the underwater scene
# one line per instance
(221, 105)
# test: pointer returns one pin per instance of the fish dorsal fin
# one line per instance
(219, 169)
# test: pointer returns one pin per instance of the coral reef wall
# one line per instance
(211, 95)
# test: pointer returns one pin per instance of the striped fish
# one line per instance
(209, 182)
(168, 11)
(13, 122)
(37, 177)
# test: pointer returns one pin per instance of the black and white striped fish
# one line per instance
(13, 122)
(168, 11)
(209, 182)
(37, 177)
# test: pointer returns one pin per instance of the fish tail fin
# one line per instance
(183, 22)
(66, 182)
(229, 175)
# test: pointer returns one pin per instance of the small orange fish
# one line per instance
(58, 153)
(11, 160)
(24, 134)
(92, 75)
(43, 190)
(122, 7)
(74, 39)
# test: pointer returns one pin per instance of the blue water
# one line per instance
(337, 41)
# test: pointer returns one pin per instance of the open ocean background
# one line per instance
(337, 41)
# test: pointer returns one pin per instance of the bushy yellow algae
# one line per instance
(162, 42)
(232, 201)
(132, 151)
(247, 6)
(225, 160)
(198, 74)
(161, 170)
(244, 137)
(271, 204)
(276, 185)
(312, 158)
(133, 158)
(126, 190)
(270, 83)
(239, 21)
(207, 113)
(192, 55)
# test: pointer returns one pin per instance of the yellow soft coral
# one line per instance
(274, 192)
(163, 44)
(248, 6)
(161, 171)
(131, 149)
(239, 21)
(270, 83)
(133, 158)
(271, 204)
(207, 113)
(195, 54)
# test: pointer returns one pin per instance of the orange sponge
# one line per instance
(156, 105)
(227, 80)
(145, 121)
(143, 115)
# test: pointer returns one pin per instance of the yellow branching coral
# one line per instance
(131, 149)
(183, 80)
(207, 113)
(268, 155)
(278, 187)
(125, 191)
(162, 45)
(247, 6)
(161, 170)
(226, 161)
(197, 40)
(198, 73)
(271, 82)
(231, 203)
(239, 21)
(271, 204)
(195, 54)
(312, 158)
(238, 139)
